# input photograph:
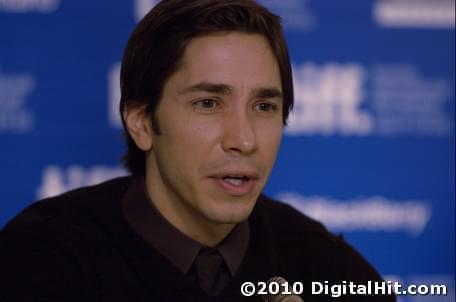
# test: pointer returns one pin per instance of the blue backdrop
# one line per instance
(369, 149)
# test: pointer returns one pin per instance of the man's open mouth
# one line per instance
(235, 180)
(236, 183)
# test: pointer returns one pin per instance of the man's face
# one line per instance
(220, 117)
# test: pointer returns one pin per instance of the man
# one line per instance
(206, 89)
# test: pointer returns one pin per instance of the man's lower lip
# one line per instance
(239, 190)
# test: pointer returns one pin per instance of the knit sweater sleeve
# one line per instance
(35, 266)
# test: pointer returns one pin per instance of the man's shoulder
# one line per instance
(298, 236)
(56, 244)
(54, 228)
(70, 206)
(297, 231)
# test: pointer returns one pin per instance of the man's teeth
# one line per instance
(236, 181)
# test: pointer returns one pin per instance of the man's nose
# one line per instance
(239, 134)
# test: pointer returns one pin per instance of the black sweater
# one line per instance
(79, 247)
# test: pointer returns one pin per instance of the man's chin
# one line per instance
(231, 215)
(225, 209)
(230, 220)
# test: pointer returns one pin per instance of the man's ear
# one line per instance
(139, 126)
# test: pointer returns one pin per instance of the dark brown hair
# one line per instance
(157, 44)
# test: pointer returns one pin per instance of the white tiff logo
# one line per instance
(328, 100)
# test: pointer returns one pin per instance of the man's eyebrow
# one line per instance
(208, 87)
(217, 88)
(266, 93)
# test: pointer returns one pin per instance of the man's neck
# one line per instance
(189, 221)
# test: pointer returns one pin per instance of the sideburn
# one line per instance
(155, 124)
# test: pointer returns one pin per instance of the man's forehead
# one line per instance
(223, 62)
(221, 42)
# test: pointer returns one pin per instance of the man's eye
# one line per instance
(267, 107)
(206, 104)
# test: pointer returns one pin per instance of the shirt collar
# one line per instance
(178, 248)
